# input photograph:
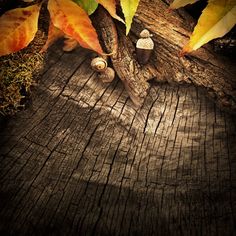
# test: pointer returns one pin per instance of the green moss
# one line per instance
(16, 75)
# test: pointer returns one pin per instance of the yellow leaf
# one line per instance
(181, 3)
(129, 8)
(217, 19)
(18, 28)
(110, 6)
(74, 22)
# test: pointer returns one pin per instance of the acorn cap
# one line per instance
(145, 43)
(145, 34)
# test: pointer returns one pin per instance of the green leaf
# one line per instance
(129, 8)
(88, 5)
(181, 3)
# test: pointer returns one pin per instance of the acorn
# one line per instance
(108, 75)
(99, 64)
(144, 47)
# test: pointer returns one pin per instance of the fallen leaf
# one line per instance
(110, 6)
(181, 3)
(88, 5)
(129, 8)
(18, 28)
(217, 19)
(74, 22)
(53, 35)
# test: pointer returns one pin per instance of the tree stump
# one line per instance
(83, 160)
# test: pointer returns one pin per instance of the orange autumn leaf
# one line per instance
(74, 22)
(53, 35)
(110, 6)
(18, 28)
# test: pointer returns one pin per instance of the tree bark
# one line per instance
(82, 160)
(171, 30)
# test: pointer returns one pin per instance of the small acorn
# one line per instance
(144, 47)
(108, 75)
(99, 64)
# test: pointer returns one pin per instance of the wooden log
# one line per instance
(171, 30)
(127, 68)
(203, 68)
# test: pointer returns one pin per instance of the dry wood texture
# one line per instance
(171, 30)
(133, 76)
(203, 68)
(83, 161)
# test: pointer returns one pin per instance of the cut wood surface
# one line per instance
(82, 160)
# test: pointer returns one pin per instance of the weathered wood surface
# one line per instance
(81, 160)
(171, 31)
(203, 68)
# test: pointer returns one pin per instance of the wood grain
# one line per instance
(82, 160)
(203, 68)
(171, 30)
